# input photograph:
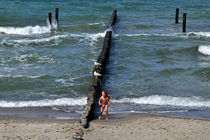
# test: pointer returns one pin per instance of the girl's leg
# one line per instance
(106, 110)
(102, 109)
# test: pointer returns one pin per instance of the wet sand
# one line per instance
(132, 127)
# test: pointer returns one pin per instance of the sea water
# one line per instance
(153, 67)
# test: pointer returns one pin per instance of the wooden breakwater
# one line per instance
(97, 75)
(56, 17)
(184, 20)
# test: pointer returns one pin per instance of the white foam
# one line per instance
(46, 102)
(145, 35)
(200, 34)
(94, 37)
(28, 30)
(91, 24)
(205, 50)
(25, 57)
(167, 100)
(97, 23)
(41, 40)
(183, 35)
(20, 76)
(63, 81)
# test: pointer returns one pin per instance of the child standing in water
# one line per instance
(105, 104)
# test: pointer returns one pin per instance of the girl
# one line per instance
(105, 104)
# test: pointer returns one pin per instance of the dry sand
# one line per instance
(148, 127)
(134, 127)
(13, 128)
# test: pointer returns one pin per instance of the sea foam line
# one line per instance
(29, 41)
(45, 102)
(93, 37)
(25, 57)
(19, 76)
(166, 100)
(183, 35)
(28, 30)
(40, 40)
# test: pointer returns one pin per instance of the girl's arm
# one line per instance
(99, 101)
(108, 102)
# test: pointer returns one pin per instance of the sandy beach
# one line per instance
(133, 127)
(13, 128)
(148, 127)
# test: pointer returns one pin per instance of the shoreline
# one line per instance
(65, 113)
(57, 113)
(131, 126)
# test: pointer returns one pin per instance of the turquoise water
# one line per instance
(153, 65)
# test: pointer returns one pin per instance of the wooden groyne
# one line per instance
(184, 23)
(184, 20)
(56, 15)
(50, 18)
(56, 18)
(97, 76)
(113, 19)
(177, 16)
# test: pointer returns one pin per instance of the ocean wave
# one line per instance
(26, 76)
(19, 76)
(41, 40)
(65, 82)
(199, 34)
(167, 100)
(183, 35)
(96, 23)
(45, 102)
(205, 50)
(28, 58)
(148, 35)
(31, 41)
(83, 26)
(92, 37)
(28, 30)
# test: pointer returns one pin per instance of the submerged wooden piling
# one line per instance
(177, 16)
(184, 22)
(113, 18)
(50, 18)
(97, 76)
(56, 15)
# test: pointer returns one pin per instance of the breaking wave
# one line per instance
(167, 100)
(28, 30)
(46, 102)
(183, 35)
(205, 50)
(92, 37)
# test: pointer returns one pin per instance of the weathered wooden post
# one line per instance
(50, 18)
(113, 19)
(56, 15)
(184, 22)
(177, 16)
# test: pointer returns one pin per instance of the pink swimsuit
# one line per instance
(103, 105)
